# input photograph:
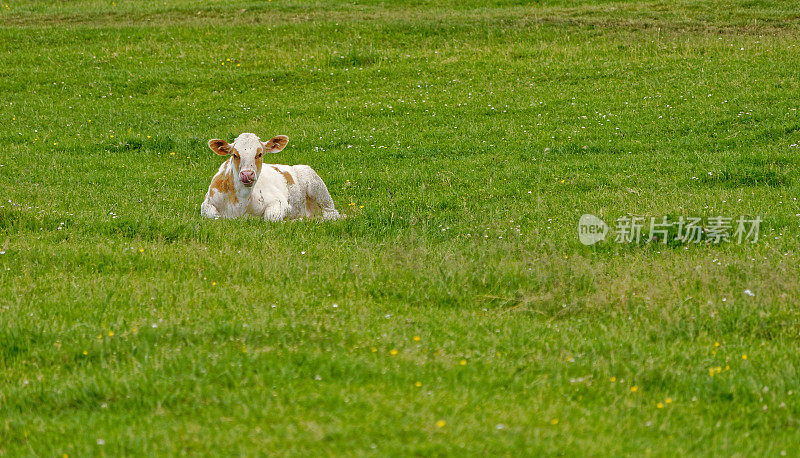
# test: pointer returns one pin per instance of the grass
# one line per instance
(464, 140)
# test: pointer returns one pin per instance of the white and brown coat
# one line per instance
(244, 185)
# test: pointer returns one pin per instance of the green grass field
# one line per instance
(455, 310)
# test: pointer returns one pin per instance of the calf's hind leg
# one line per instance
(317, 193)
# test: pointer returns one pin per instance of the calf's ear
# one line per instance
(220, 147)
(277, 144)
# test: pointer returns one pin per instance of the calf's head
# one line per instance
(247, 151)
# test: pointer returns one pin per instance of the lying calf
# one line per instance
(244, 185)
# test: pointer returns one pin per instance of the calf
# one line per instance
(244, 185)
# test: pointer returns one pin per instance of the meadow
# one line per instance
(455, 311)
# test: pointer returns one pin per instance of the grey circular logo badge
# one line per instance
(591, 229)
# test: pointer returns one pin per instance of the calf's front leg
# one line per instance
(208, 210)
(275, 211)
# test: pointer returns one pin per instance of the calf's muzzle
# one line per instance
(248, 177)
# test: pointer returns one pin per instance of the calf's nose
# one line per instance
(247, 176)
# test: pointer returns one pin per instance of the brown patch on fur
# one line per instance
(259, 159)
(236, 160)
(224, 184)
(312, 208)
(286, 175)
